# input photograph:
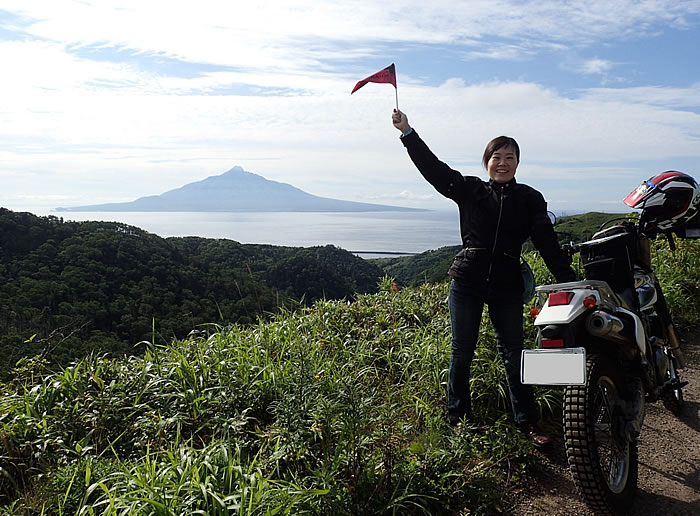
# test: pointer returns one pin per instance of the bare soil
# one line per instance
(669, 461)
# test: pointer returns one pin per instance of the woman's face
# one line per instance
(502, 165)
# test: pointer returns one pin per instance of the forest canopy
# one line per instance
(68, 288)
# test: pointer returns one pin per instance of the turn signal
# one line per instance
(590, 302)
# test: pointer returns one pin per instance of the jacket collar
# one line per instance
(502, 186)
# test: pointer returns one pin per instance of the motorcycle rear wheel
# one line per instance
(603, 463)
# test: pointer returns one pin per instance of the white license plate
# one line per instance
(553, 366)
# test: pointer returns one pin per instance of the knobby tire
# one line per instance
(592, 407)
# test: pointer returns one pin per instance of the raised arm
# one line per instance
(445, 180)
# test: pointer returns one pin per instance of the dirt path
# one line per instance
(669, 461)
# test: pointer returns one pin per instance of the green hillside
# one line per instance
(67, 288)
(581, 227)
(428, 267)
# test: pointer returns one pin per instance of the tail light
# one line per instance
(559, 298)
(552, 343)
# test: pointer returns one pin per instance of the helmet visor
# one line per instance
(637, 197)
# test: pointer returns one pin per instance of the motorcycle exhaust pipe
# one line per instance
(602, 324)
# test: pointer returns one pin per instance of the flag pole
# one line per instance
(397, 98)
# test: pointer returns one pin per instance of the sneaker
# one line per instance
(534, 433)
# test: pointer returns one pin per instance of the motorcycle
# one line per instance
(610, 341)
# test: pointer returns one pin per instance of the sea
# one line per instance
(367, 234)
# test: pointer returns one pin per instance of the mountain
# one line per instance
(237, 190)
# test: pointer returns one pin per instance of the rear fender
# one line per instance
(565, 314)
(568, 314)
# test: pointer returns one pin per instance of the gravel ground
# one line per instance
(669, 461)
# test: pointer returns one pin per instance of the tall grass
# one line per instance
(679, 274)
(334, 409)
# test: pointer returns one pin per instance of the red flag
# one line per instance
(388, 74)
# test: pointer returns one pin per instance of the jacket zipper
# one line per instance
(495, 240)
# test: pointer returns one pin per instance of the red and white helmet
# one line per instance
(668, 200)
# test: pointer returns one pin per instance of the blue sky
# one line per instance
(107, 101)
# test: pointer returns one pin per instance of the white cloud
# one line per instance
(596, 66)
(650, 95)
(88, 111)
(299, 35)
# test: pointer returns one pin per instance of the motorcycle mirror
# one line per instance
(552, 217)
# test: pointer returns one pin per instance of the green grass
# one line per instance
(334, 409)
(679, 274)
(339, 408)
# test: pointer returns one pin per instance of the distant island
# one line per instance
(238, 190)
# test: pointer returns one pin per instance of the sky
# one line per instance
(108, 101)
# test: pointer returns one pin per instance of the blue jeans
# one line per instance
(506, 315)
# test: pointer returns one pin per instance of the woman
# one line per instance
(496, 217)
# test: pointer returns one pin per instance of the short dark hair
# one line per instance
(498, 143)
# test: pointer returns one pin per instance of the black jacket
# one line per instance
(495, 220)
